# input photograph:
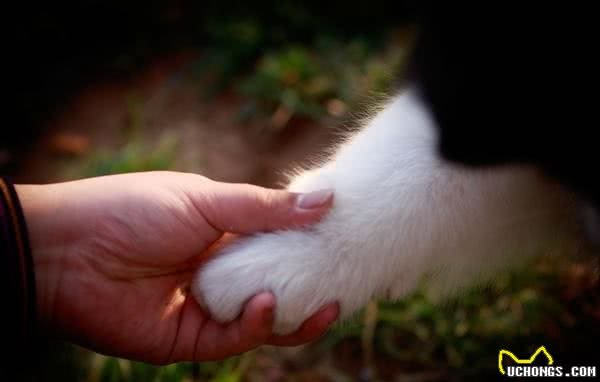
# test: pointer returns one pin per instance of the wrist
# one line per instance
(40, 209)
(17, 280)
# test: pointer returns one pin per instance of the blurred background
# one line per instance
(242, 92)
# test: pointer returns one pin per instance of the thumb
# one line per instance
(244, 208)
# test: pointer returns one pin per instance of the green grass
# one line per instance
(118, 370)
(310, 82)
(135, 156)
(324, 78)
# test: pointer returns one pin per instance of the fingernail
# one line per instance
(314, 199)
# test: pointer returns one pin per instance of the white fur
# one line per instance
(400, 214)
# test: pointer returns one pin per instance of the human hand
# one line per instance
(114, 257)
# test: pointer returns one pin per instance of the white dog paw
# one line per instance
(296, 266)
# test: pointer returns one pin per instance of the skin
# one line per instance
(114, 257)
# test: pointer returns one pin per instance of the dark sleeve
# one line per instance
(17, 282)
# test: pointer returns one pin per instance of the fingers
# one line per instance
(256, 323)
(311, 329)
(243, 208)
(251, 330)
(254, 328)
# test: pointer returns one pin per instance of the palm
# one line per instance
(132, 273)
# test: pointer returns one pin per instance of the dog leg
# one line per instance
(400, 213)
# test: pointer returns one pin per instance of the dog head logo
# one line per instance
(524, 361)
